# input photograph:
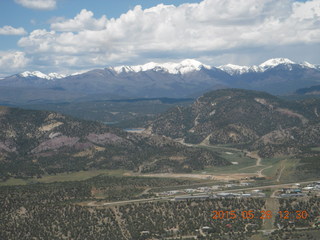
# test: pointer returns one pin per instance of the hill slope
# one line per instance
(234, 116)
(313, 90)
(39, 142)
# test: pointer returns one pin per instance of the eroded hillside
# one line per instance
(39, 142)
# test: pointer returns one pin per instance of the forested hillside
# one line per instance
(33, 143)
(250, 119)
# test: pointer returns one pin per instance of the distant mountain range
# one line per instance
(188, 78)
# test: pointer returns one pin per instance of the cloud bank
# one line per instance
(9, 30)
(12, 61)
(38, 4)
(211, 30)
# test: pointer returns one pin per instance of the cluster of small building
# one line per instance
(312, 187)
(209, 192)
(297, 191)
(254, 193)
(206, 190)
(291, 192)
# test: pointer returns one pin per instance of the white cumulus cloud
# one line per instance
(83, 21)
(202, 30)
(11, 61)
(38, 4)
(9, 30)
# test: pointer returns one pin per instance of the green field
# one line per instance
(287, 174)
(317, 149)
(274, 163)
(271, 167)
(232, 155)
(62, 177)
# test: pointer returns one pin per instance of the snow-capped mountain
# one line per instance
(190, 65)
(269, 64)
(234, 69)
(183, 67)
(275, 62)
(309, 65)
(188, 78)
(39, 74)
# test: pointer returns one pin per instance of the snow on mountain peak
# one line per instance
(308, 65)
(39, 74)
(191, 62)
(33, 74)
(271, 63)
(275, 62)
(56, 75)
(185, 66)
(234, 69)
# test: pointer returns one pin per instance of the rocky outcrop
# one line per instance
(106, 138)
(56, 143)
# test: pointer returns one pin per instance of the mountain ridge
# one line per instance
(182, 67)
(189, 78)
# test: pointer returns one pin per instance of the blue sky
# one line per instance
(67, 36)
